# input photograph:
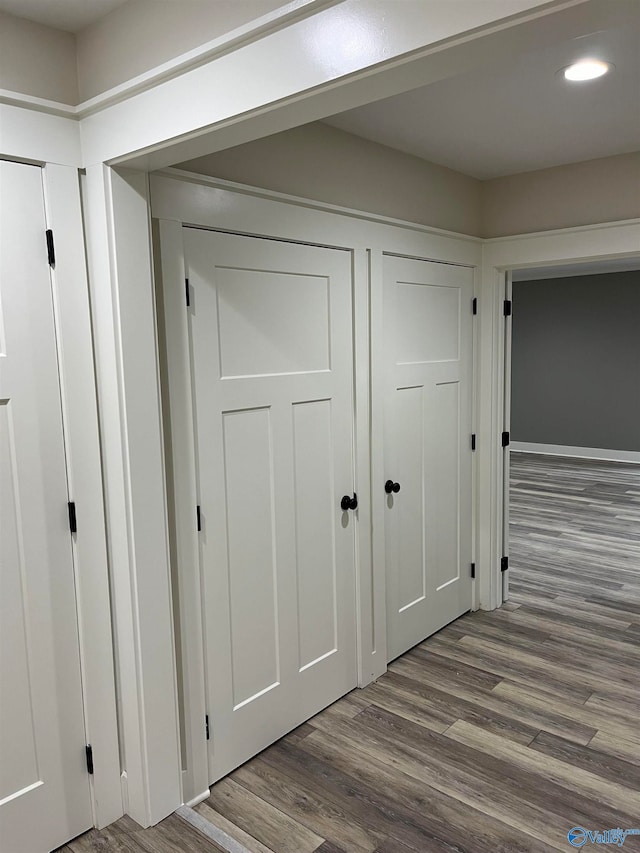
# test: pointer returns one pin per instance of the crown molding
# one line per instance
(312, 204)
(278, 19)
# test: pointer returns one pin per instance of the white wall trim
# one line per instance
(270, 22)
(575, 229)
(180, 455)
(176, 120)
(569, 245)
(84, 474)
(234, 39)
(311, 204)
(200, 798)
(620, 265)
(577, 452)
(121, 285)
(565, 245)
(37, 137)
(403, 50)
(41, 105)
(239, 208)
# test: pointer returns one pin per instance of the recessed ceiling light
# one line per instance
(586, 69)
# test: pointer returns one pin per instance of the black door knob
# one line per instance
(349, 503)
(390, 486)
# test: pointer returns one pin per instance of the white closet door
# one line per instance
(273, 374)
(44, 787)
(427, 335)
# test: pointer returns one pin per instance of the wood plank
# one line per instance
(306, 806)
(538, 716)
(490, 786)
(588, 715)
(258, 818)
(553, 769)
(450, 820)
(601, 763)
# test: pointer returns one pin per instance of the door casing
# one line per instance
(501, 255)
(72, 318)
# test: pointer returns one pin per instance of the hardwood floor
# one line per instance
(500, 733)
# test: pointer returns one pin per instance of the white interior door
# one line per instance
(272, 366)
(44, 786)
(428, 355)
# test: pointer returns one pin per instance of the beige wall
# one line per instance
(37, 60)
(603, 190)
(321, 162)
(142, 34)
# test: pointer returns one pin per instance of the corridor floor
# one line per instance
(500, 733)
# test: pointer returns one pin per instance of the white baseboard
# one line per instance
(124, 784)
(198, 799)
(579, 452)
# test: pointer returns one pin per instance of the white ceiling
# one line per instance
(71, 15)
(516, 116)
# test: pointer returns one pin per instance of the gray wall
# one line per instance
(576, 361)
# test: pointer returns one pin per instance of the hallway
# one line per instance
(500, 733)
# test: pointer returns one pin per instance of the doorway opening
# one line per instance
(572, 466)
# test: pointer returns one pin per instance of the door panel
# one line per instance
(247, 297)
(429, 315)
(249, 498)
(427, 334)
(270, 327)
(446, 483)
(44, 788)
(411, 560)
(315, 516)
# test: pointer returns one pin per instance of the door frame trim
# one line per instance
(72, 317)
(501, 255)
(179, 198)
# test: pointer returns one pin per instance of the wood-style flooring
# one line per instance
(500, 733)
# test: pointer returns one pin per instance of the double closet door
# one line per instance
(272, 378)
(270, 327)
(427, 446)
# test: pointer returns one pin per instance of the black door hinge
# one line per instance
(198, 519)
(473, 441)
(504, 564)
(206, 726)
(88, 751)
(507, 307)
(51, 251)
(73, 522)
(474, 305)
(186, 288)
(473, 570)
(506, 439)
